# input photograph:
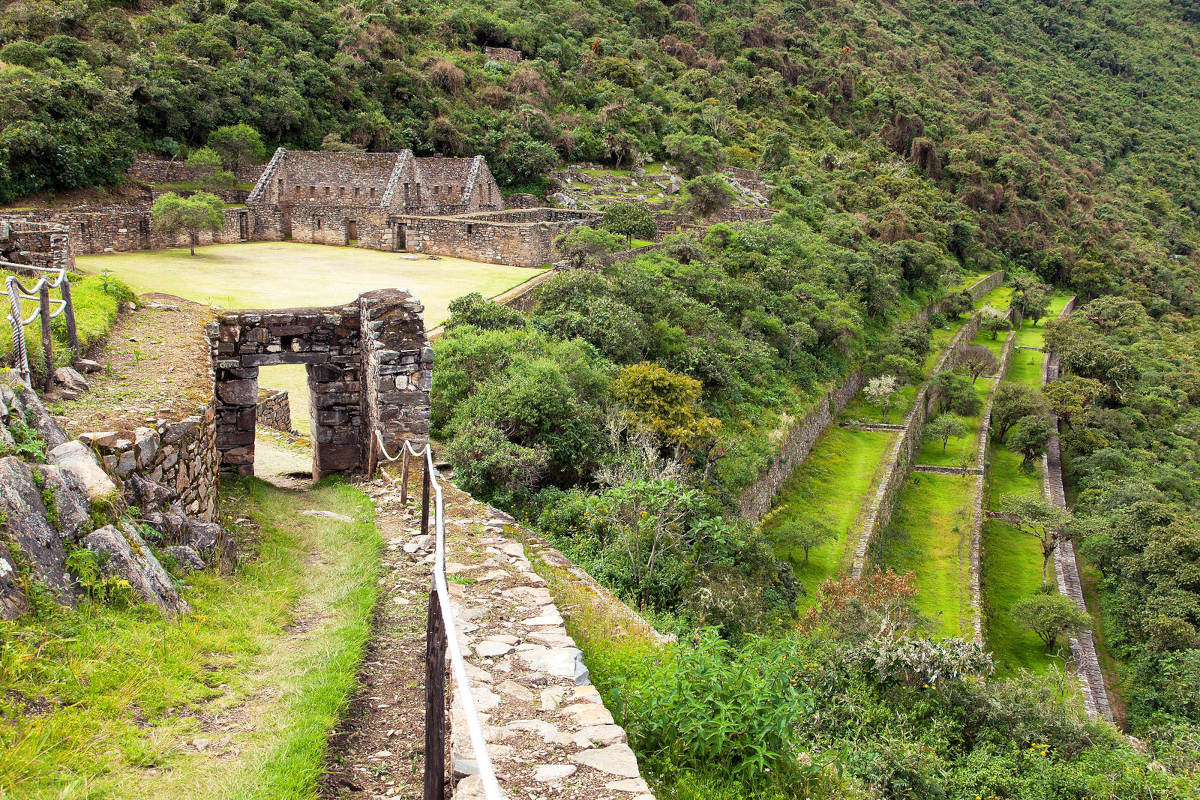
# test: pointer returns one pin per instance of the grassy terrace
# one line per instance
(930, 537)
(830, 486)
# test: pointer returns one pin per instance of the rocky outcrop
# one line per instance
(74, 458)
(27, 529)
(129, 557)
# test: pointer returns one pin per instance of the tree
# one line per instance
(206, 165)
(943, 427)
(664, 404)
(1033, 516)
(473, 309)
(1029, 437)
(1030, 298)
(1011, 402)
(236, 145)
(175, 215)
(332, 143)
(587, 247)
(1050, 615)
(977, 360)
(695, 154)
(705, 196)
(807, 534)
(957, 393)
(629, 219)
(882, 392)
(1071, 396)
(994, 320)
(777, 152)
(958, 304)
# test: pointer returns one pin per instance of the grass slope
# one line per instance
(830, 486)
(930, 537)
(268, 657)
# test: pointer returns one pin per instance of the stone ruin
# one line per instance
(36, 244)
(369, 366)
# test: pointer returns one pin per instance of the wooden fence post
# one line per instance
(69, 313)
(435, 702)
(47, 347)
(404, 476)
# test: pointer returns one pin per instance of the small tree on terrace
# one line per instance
(1029, 437)
(1034, 517)
(1011, 402)
(587, 247)
(807, 534)
(977, 360)
(237, 145)
(943, 427)
(994, 321)
(1071, 396)
(1050, 615)
(174, 215)
(882, 392)
(629, 219)
(705, 196)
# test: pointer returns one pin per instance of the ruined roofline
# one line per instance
(268, 174)
(405, 157)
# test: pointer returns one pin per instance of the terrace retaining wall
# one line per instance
(274, 410)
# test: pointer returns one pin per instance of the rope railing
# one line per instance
(62, 306)
(440, 636)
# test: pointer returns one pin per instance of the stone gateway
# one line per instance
(369, 366)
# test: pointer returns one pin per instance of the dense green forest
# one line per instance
(912, 144)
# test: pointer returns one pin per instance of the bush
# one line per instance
(488, 465)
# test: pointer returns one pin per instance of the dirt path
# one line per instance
(377, 751)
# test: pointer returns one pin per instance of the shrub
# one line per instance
(489, 465)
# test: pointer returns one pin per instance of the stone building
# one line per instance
(399, 202)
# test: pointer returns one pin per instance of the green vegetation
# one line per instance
(829, 488)
(115, 691)
(193, 215)
(929, 537)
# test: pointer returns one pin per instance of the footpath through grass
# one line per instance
(232, 701)
(829, 487)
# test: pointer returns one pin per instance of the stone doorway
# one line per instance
(351, 231)
(243, 225)
(401, 236)
(369, 367)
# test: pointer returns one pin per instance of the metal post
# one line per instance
(404, 475)
(69, 312)
(47, 347)
(435, 702)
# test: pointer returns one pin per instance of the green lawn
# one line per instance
(859, 409)
(268, 657)
(995, 345)
(1000, 297)
(930, 537)
(290, 274)
(1027, 367)
(1031, 335)
(830, 486)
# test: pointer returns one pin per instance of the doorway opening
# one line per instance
(282, 426)
(351, 231)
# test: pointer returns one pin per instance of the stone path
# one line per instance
(548, 731)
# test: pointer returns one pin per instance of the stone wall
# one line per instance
(121, 228)
(273, 410)
(797, 441)
(180, 454)
(149, 169)
(877, 512)
(369, 365)
(523, 238)
(1084, 657)
(39, 244)
(985, 424)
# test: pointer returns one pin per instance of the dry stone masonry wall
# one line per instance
(38, 244)
(369, 365)
(273, 410)
(1066, 566)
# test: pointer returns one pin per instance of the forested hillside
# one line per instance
(913, 145)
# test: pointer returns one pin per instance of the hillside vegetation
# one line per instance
(911, 145)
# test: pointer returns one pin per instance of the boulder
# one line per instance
(76, 458)
(88, 366)
(202, 536)
(71, 379)
(148, 493)
(563, 200)
(28, 529)
(70, 501)
(187, 558)
(39, 418)
(13, 602)
(130, 558)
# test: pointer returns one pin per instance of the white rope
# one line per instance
(491, 788)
